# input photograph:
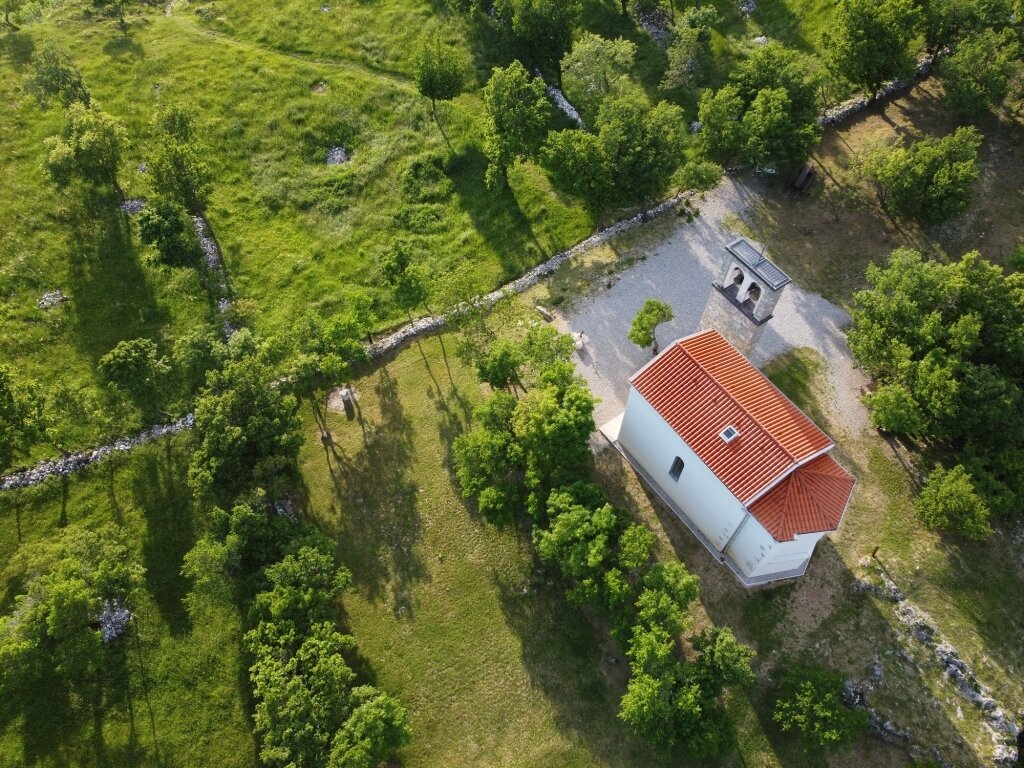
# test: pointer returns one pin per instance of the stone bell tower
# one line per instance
(744, 296)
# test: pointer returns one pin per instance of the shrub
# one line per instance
(949, 503)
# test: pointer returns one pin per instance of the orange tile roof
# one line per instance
(702, 384)
(809, 500)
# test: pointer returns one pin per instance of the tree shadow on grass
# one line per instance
(124, 46)
(17, 48)
(817, 614)
(380, 520)
(161, 493)
(578, 668)
(495, 213)
(113, 300)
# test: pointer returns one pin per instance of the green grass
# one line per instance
(173, 693)
(495, 668)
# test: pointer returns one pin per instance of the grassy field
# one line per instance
(173, 693)
(495, 668)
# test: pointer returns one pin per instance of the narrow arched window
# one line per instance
(677, 468)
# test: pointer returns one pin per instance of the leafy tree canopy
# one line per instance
(595, 68)
(135, 366)
(977, 75)
(652, 314)
(870, 39)
(246, 427)
(88, 148)
(930, 180)
(949, 503)
(545, 27)
(808, 703)
(517, 112)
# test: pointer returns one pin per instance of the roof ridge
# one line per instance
(723, 390)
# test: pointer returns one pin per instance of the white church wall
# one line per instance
(654, 445)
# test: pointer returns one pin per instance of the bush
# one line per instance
(949, 503)
(165, 224)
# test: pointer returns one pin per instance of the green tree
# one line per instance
(649, 708)
(643, 145)
(323, 352)
(377, 727)
(302, 698)
(245, 425)
(180, 173)
(118, 7)
(9, 7)
(545, 27)
(581, 542)
(135, 367)
(552, 424)
(870, 41)
(439, 73)
(517, 111)
(690, 57)
(55, 76)
(808, 702)
(21, 417)
(578, 164)
(304, 589)
(193, 355)
(773, 137)
(89, 147)
(499, 366)
(71, 583)
(977, 75)
(489, 461)
(949, 503)
(892, 407)
(165, 224)
(721, 135)
(652, 314)
(723, 662)
(775, 66)
(930, 180)
(595, 68)
(404, 277)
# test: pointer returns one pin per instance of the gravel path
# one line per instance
(679, 270)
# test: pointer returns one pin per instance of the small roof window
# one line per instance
(729, 434)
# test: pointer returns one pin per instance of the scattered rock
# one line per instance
(337, 156)
(875, 670)
(920, 623)
(761, 40)
(51, 299)
(747, 8)
(319, 87)
(657, 24)
(696, 126)
(325, 8)
(143, 168)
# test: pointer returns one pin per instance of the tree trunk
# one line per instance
(8, 23)
(625, 8)
(433, 109)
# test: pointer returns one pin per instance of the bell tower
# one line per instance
(745, 294)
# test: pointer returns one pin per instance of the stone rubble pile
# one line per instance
(216, 271)
(113, 620)
(563, 104)
(337, 156)
(746, 8)
(76, 461)
(132, 205)
(51, 299)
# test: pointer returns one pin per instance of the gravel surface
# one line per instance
(679, 270)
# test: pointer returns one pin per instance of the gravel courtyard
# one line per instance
(679, 270)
